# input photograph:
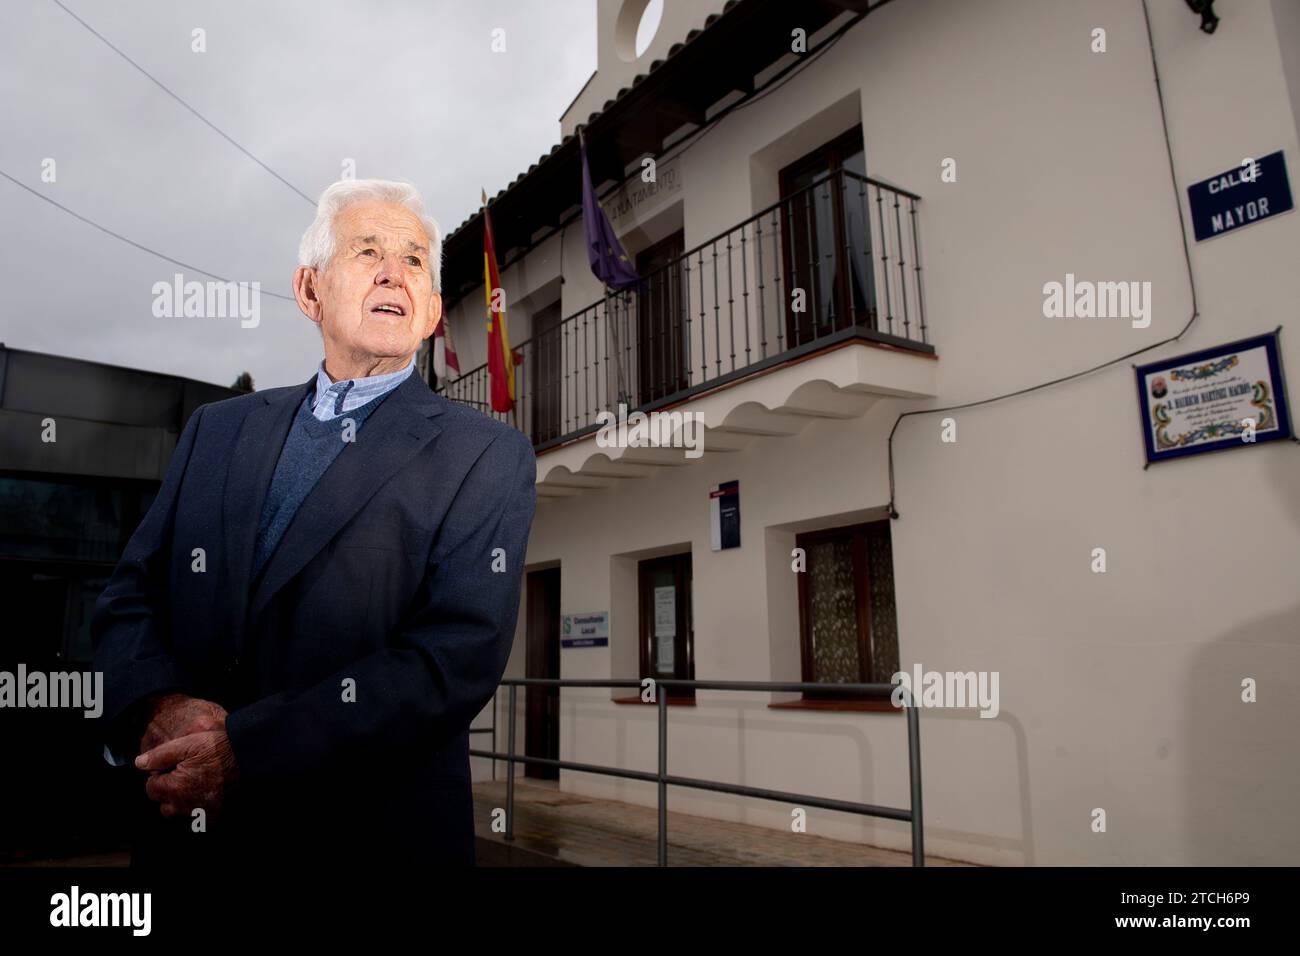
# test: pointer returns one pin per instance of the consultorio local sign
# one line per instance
(585, 629)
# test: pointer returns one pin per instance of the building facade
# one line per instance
(865, 225)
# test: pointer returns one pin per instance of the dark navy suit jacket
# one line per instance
(388, 580)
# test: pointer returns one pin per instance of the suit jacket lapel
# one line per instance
(397, 430)
(252, 463)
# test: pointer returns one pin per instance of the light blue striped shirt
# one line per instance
(336, 398)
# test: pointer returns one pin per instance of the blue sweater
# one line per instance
(309, 449)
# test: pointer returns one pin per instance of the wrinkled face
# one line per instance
(374, 301)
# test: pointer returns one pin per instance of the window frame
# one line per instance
(825, 163)
(684, 642)
(858, 533)
(546, 400)
(660, 299)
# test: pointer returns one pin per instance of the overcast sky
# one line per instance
(409, 89)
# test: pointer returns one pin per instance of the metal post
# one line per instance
(914, 775)
(510, 769)
(663, 774)
(916, 258)
(902, 270)
(611, 327)
(915, 815)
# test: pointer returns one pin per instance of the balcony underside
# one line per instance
(842, 381)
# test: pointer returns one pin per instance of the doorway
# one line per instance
(542, 659)
(661, 320)
(548, 371)
(826, 240)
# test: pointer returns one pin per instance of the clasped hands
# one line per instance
(188, 755)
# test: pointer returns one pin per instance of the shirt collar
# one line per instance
(332, 399)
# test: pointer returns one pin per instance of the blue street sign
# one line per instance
(1240, 197)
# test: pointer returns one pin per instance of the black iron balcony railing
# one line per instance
(911, 814)
(838, 259)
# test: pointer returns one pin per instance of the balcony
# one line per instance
(811, 308)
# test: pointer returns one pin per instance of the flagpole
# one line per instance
(612, 319)
(497, 324)
(602, 247)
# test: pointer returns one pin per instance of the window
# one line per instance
(667, 638)
(662, 348)
(826, 239)
(70, 519)
(847, 620)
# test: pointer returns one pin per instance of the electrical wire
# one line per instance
(131, 242)
(162, 86)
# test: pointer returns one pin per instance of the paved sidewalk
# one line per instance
(554, 828)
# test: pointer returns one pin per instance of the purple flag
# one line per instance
(608, 260)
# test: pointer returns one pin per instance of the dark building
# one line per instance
(83, 449)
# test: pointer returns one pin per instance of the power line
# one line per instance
(164, 88)
(131, 242)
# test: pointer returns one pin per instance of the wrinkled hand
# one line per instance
(177, 715)
(190, 772)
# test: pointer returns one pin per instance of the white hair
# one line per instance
(317, 246)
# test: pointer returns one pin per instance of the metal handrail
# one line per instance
(661, 687)
(490, 729)
(560, 375)
(707, 243)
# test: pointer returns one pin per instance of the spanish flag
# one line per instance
(501, 361)
(445, 361)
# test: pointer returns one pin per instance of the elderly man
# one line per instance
(324, 593)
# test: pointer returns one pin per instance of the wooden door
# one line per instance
(542, 659)
(544, 389)
(661, 320)
(822, 244)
